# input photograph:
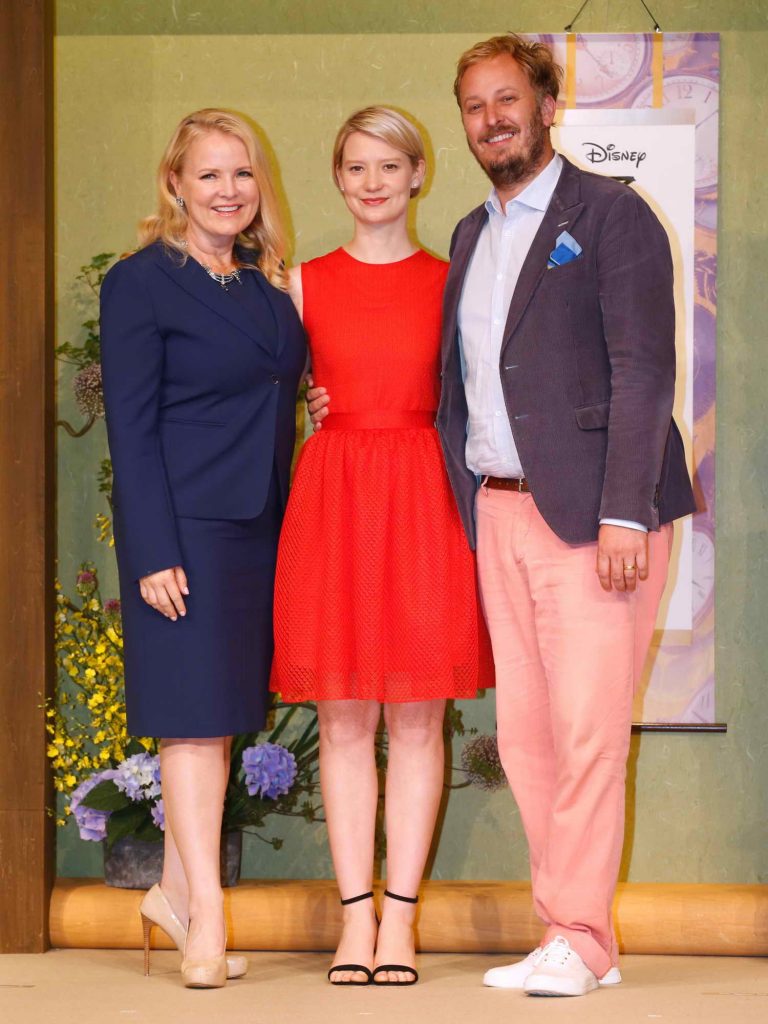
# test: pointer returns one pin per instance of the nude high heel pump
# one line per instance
(210, 973)
(156, 910)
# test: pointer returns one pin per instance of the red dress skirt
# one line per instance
(376, 593)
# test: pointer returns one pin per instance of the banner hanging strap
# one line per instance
(570, 70)
(657, 68)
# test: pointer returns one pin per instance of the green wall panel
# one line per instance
(698, 804)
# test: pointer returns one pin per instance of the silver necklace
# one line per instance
(222, 279)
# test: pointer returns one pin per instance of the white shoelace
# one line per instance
(557, 953)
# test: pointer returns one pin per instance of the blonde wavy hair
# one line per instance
(388, 126)
(264, 236)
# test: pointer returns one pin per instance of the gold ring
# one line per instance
(629, 568)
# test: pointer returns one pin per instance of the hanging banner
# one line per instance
(654, 123)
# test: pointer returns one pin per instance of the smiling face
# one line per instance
(376, 179)
(217, 184)
(507, 125)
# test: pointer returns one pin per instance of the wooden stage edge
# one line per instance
(461, 917)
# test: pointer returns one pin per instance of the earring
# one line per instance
(414, 184)
(180, 202)
(341, 188)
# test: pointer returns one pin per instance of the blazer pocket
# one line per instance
(593, 417)
(192, 423)
(565, 268)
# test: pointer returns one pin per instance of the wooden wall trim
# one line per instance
(26, 470)
(454, 917)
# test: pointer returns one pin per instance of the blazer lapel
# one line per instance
(193, 279)
(562, 213)
(274, 298)
(460, 257)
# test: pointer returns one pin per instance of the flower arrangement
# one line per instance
(86, 720)
(85, 357)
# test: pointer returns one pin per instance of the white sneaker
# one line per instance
(513, 975)
(560, 972)
(611, 977)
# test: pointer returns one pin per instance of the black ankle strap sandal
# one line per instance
(359, 968)
(385, 968)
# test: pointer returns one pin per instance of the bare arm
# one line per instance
(317, 398)
(295, 291)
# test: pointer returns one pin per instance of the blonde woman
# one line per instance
(397, 625)
(202, 352)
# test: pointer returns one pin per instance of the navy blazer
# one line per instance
(200, 400)
(587, 365)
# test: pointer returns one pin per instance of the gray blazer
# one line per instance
(587, 365)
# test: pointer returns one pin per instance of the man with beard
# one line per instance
(556, 422)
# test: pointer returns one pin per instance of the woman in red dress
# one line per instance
(372, 530)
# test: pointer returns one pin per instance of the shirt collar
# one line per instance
(536, 195)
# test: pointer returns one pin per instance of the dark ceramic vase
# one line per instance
(136, 864)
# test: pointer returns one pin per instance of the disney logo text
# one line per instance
(597, 154)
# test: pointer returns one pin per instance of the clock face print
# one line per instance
(702, 707)
(703, 589)
(677, 42)
(556, 44)
(703, 94)
(706, 214)
(606, 67)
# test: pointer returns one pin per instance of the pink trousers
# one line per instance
(567, 656)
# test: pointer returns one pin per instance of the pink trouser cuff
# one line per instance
(590, 951)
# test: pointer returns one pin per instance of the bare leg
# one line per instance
(350, 792)
(414, 786)
(174, 881)
(194, 776)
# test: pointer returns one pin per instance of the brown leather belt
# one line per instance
(497, 483)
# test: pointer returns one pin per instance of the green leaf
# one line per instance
(149, 832)
(126, 822)
(106, 797)
(134, 747)
(284, 720)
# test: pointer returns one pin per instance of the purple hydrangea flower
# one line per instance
(91, 823)
(270, 770)
(158, 814)
(139, 777)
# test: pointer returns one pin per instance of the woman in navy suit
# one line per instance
(202, 353)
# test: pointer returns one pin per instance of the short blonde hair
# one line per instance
(388, 126)
(536, 59)
(264, 236)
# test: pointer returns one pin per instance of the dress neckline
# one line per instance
(393, 263)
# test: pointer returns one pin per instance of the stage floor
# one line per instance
(104, 986)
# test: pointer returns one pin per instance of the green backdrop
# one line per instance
(127, 71)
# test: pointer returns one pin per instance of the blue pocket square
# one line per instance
(566, 249)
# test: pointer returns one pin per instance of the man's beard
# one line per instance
(511, 170)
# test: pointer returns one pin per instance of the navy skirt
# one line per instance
(206, 674)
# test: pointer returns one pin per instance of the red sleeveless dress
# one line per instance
(376, 595)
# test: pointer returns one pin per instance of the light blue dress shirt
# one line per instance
(489, 285)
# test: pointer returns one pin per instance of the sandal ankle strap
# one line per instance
(355, 899)
(404, 899)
